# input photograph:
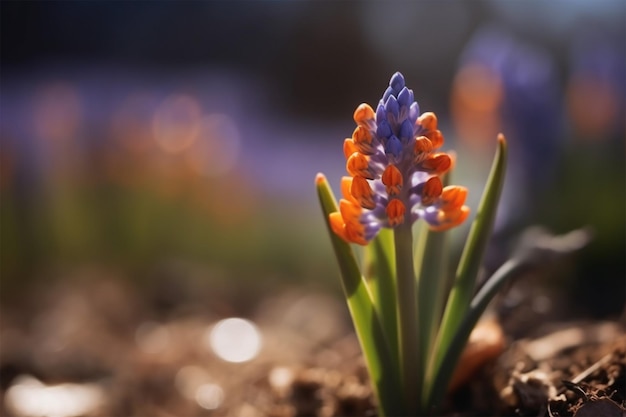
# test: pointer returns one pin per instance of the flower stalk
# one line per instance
(407, 315)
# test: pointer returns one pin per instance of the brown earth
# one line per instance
(146, 354)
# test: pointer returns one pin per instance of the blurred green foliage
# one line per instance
(109, 224)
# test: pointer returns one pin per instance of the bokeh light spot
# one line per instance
(280, 379)
(477, 95)
(58, 111)
(176, 123)
(592, 104)
(209, 396)
(30, 397)
(235, 340)
(479, 88)
(216, 150)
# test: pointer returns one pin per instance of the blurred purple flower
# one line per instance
(597, 87)
(531, 105)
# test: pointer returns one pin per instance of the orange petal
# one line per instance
(337, 224)
(395, 212)
(428, 120)
(360, 189)
(431, 191)
(351, 231)
(349, 147)
(450, 219)
(358, 164)
(423, 145)
(346, 183)
(436, 137)
(363, 114)
(392, 178)
(362, 138)
(362, 135)
(355, 233)
(349, 210)
(437, 163)
(453, 197)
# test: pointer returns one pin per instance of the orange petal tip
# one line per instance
(320, 178)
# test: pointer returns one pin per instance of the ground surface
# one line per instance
(108, 349)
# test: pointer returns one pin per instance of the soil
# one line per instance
(126, 351)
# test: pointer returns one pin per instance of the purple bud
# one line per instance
(397, 82)
(393, 147)
(380, 112)
(414, 112)
(405, 98)
(384, 129)
(406, 131)
(388, 92)
(392, 107)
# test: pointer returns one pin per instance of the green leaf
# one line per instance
(507, 271)
(467, 272)
(380, 274)
(368, 326)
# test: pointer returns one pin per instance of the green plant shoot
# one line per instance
(411, 318)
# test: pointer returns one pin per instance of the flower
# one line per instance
(395, 170)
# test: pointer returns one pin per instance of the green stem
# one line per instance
(407, 316)
(431, 264)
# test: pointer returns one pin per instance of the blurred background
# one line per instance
(171, 148)
(141, 137)
(185, 136)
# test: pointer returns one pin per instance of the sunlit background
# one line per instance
(157, 159)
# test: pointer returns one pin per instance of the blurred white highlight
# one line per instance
(234, 340)
(209, 396)
(30, 397)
